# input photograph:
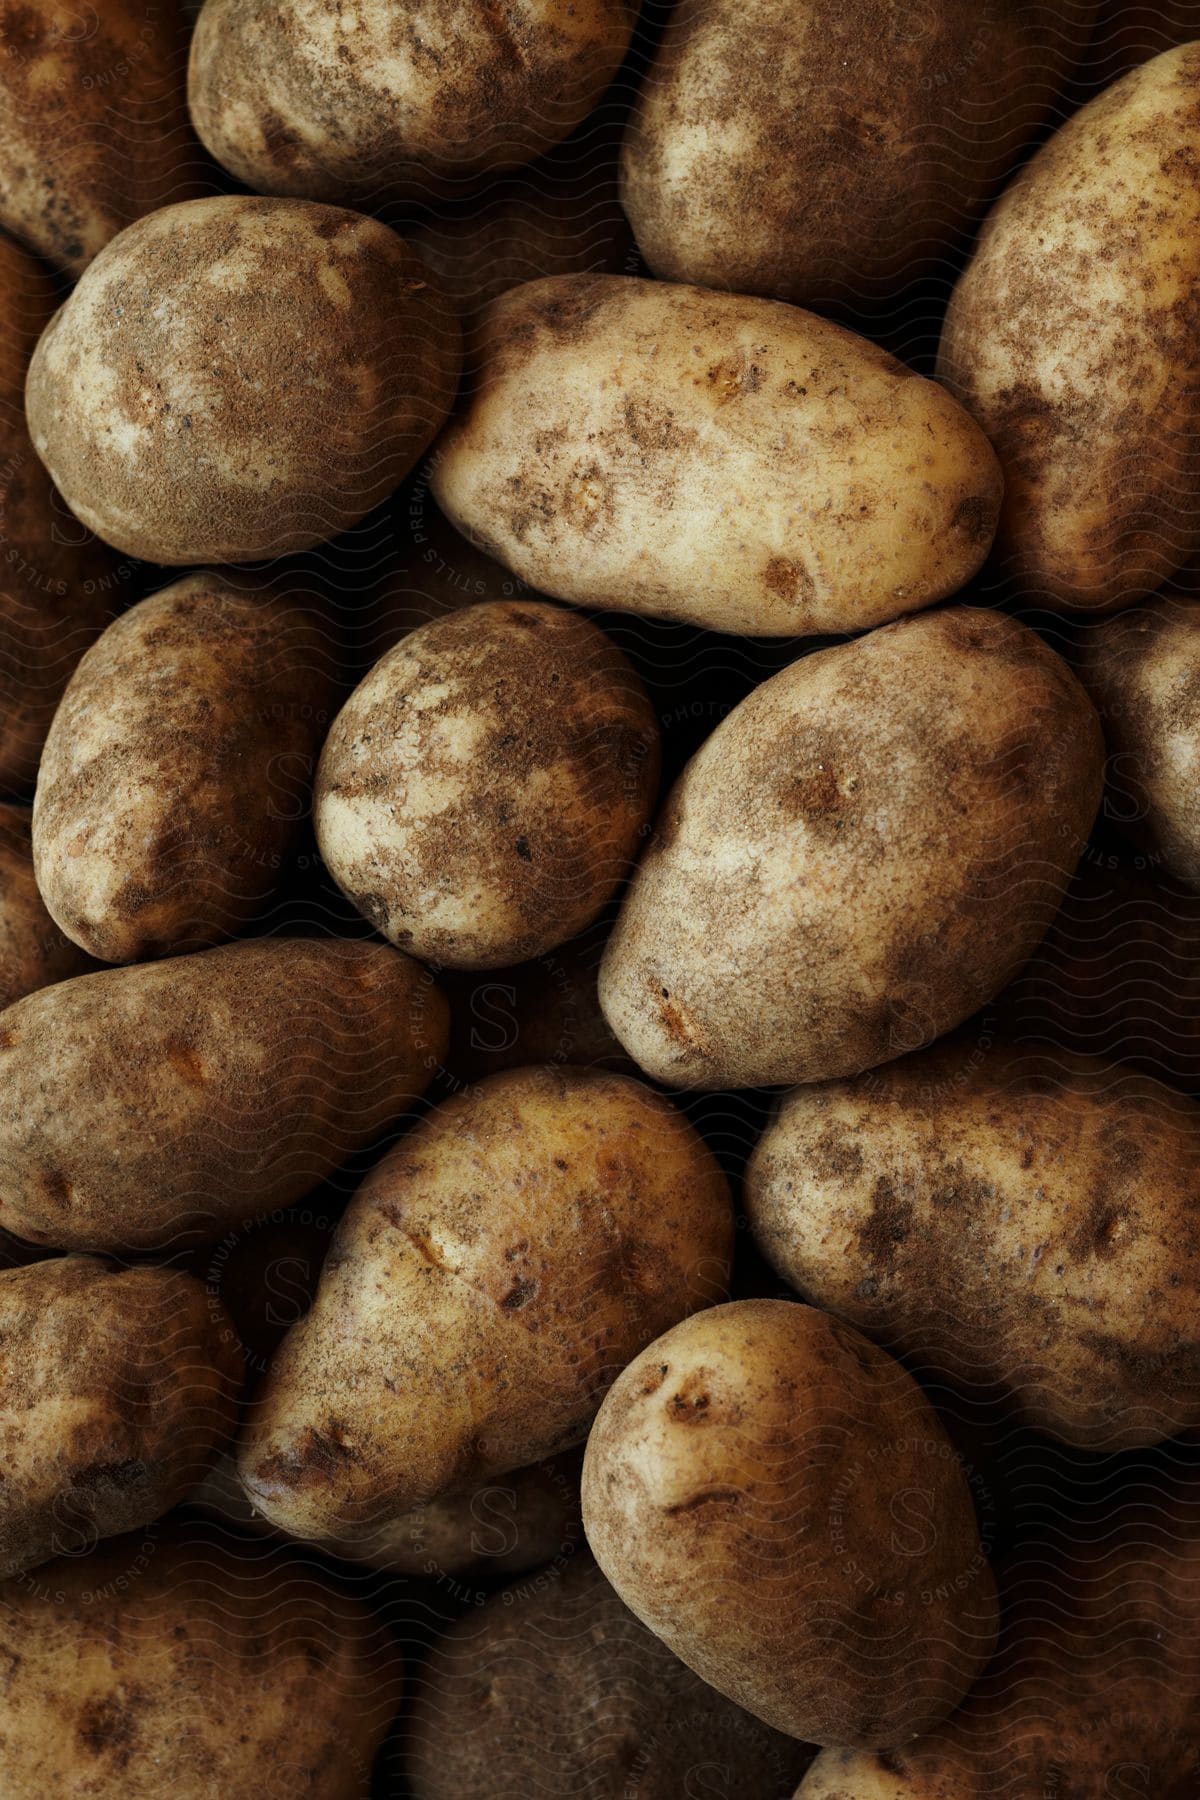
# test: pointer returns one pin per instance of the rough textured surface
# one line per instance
(1073, 337)
(236, 378)
(119, 1387)
(178, 769)
(493, 1274)
(730, 462)
(556, 1688)
(484, 791)
(169, 1100)
(859, 856)
(777, 1500)
(34, 953)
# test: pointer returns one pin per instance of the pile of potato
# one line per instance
(600, 900)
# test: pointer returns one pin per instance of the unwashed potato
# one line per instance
(237, 378)
(827, 154)
(1009, 1223)
(150, 1105)
(484, 790)
(492, 1276)
(177, 771)
(725, 461)
(117, 1387)
(555, 1688)
(864, 852)
(93, 122)
(776, 1499)
(1071, 338)
(34, 953)
(416, 105)
(185, 1666)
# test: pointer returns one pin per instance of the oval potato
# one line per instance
(34, 953)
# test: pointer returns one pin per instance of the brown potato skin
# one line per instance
(750, 1487)
(34, 953)
(480, 1297)
(177, 771)
(235, 379)
(581, 1700)
(177, 1664)
(119, 1387)
(158, 1104)
(899, 888)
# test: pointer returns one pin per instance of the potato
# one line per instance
(554, 1687)
(147, 1106)
(181, 1666)
(295, 100)
(34, 953)
(236, 378)
(1007, 1222)
(862, 853)
(118, 1387)
(93, 123)
(177, 771)
(491, 1277)
(830, 154)
(1070, 337)
(775, 1498)
(482, 793)
(728, 462)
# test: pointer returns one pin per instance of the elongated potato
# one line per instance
(1071, 337)
(149, 1105)
(699, 456)
(860, 855)
(119, 1387)
(177, 770)
(491, 1277)
(34, 953)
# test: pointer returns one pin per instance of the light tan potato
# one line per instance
(829, 154)
(151, 1105)
(580, 1699)
(724, 461)
(1071, 338)
(237, 378)
(176, 774)
(775, 1497)
(483, 792)
(34, 953)
(176, 1665)
(1008, 1222)
(294, 99)
(93, 122)
(490, 1279)
(863, 853)
(118, 1387)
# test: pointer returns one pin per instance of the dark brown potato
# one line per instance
(34, 953)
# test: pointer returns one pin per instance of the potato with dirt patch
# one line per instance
(34, 953)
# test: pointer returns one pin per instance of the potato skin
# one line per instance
(182, 397)
(750, 1488)
(166, 1664)
(160, 1103)
(480, 1296)
(581, 1700)
(729, 462)
(119, 1386)
(177, 770)
(483, 791)
(34, 953)
(1076, 357)
(891, 822)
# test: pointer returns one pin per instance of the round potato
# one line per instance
(775, 1497)
(491, 1277)
(176, 774)
(729, 462)
(34, 953)
(482, 793)
(119, 1387)
(235, 378)
(1071, 338)
(150, 1105)
(295, 100)
(863, 853)
(555, 1687)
